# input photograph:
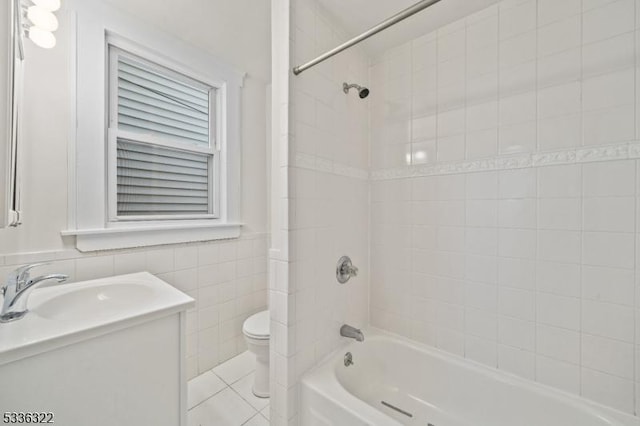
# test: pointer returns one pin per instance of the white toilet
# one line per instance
(256, 333)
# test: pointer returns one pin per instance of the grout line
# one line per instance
(251, 418)
(635, 295)
(582, 190)
(207, 398)
(497, 199)
(537, 197)
(247, 401)
(635, 239)
(235, 381)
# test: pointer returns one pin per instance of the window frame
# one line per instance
(11, 82)
(214, 151)
(96, 25)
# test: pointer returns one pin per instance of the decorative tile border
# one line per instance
(319, 164)
(619, 151)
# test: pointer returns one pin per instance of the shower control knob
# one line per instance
(345, 270)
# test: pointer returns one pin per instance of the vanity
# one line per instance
(98, 353)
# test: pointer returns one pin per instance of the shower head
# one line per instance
(363, 92)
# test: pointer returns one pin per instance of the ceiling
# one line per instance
(356, 16)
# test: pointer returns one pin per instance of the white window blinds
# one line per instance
(160, 181)
(164, 155)
(152, 103)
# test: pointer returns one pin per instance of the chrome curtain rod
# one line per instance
(412, 10)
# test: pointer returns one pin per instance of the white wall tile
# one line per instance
(482, 213)
(482, 186)
(516, 333)
(608, 249)
(551, 10)
(517, 50)
(559, 35)
(517, 243)
(607, 389)
(517, 213)
(609, 125)
(518, 19)
(517, 108)
(558, 374)
(608, 284)
(559, 246)
(559, 344)
(516, 361)
(613, 214)
(608, 320)
(608, 90)
(519, 273)
(609, 55)
(516, 303)
(558, 100)
(560, 132)
(481, 350)
(563, 67)
(607, 21)
(608, 356)
(519, 183)
(129, 263)
(482, 33)
(615, 178)
(559, 311)
(559, 213)
(88, 268)
(560, 181)
(558, 278)
(522, 269)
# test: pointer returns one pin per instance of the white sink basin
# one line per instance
(65, 313)
(94, 301)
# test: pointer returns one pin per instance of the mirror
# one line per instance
(11, 67)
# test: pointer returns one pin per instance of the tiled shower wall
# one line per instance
(504, 212)
(328, 194)
(228, 280)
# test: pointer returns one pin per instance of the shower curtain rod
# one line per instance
(412, 10)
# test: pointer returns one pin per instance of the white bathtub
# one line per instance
(434, 388)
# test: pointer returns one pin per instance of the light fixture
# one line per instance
(40, 22)
(42, 38)
(49, 5)
(42, 18)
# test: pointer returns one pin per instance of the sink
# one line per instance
(61, 314)
(95, 301)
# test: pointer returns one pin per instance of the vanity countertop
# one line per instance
(63, 314)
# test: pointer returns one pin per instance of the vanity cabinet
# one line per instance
(125, 372)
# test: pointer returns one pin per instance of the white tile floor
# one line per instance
(223, 397)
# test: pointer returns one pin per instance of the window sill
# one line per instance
(88, 240)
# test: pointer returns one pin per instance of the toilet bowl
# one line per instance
(256, 334)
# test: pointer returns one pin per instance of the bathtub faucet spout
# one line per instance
(351, 332)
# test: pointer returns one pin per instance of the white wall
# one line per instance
(228, 279)
(325, 145)
(504, 194)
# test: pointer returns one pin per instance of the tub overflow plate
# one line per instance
(348, 359)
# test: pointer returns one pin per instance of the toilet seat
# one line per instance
(257, 326)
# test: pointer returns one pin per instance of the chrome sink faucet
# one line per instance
(352, 333)
(17, 289)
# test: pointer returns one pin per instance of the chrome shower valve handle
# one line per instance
(345, 270)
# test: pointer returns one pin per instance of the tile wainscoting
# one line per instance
(228, 279)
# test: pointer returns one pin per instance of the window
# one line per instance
(162, 142)
(156, 144)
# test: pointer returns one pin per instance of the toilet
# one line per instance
(256, 334)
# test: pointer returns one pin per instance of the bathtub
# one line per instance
(394, 381)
